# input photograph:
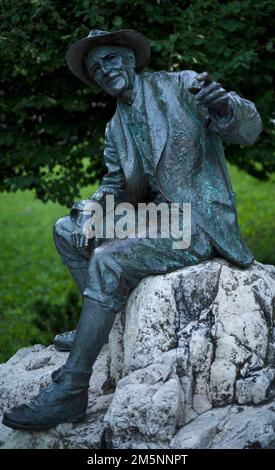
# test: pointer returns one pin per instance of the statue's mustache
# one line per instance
(113, 74)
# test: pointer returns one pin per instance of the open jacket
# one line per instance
(188, 155)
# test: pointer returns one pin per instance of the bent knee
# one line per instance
(103, 258)
(63, 226)
(104, 271)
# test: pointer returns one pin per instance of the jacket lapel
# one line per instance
(147, 121)
(155, 112)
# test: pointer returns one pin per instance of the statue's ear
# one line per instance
(132, 59)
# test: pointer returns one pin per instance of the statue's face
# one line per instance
(112, 68)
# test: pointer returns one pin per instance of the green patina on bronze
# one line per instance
(163, 144)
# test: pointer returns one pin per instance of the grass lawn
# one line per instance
(256, 212)
(31, 269)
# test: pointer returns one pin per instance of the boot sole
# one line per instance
(40, 427)
(63, 348)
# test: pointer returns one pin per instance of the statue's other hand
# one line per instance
(83, 229)
(78, 238)
(211, 94)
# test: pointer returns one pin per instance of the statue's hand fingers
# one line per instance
(224, 99)
(81, 241)
(204, 77)
(207, 90)
(73, 238)
(221, 105)
(77, 240)
(215, 95)
(201, 81)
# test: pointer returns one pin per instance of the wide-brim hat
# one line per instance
(134, 40)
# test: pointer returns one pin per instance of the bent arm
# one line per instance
(243, 123)
(113, 183)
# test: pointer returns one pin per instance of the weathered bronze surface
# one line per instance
(164, 145)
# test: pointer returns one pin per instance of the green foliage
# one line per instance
(33, 280)
(50, 121)
(38, 323)
(17, 331)
(57, 317)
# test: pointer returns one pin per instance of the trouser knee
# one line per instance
(63, 227)
(62, 230)
(105, 279)
(70, 255)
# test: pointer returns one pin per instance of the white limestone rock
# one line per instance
(146, 406)
(192, 358)
(213, 325)
(229, 427)
(218, 319)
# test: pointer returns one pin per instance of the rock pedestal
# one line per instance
(190, 364)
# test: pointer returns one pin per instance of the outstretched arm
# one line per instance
(234, 118)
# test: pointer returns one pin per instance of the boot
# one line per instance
(64, 341)
(66, 399)
(63, 401)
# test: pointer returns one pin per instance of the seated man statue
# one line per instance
(163, 145)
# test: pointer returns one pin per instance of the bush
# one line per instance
(50, 121)
(39, 324)
(52, 318)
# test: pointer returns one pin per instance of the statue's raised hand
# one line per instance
(211, 94)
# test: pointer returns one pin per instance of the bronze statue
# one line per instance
(163, 145)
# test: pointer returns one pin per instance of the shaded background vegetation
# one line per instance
(52, 125)
(50, 121)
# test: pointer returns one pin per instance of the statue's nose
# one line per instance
(104, 69)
